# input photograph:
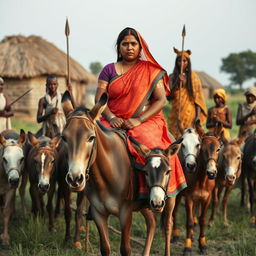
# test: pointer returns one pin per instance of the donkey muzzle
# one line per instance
(75, 181)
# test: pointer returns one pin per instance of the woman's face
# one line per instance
(184, 61)
(129, 48)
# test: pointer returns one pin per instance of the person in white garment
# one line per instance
(5, 109)
(50, 111)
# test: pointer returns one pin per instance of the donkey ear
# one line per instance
(188, 52)
(2, 140)
(67, 103)
(96, 111)
(22, 137)
(142, 149)
(254, 133)
(55, 141)
(174, 147)
(33, 140)
(242, 138)
(199, 129)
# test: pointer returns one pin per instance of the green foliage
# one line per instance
(95, 67)
(241, 67)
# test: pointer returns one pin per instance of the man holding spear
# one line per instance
(186, 96)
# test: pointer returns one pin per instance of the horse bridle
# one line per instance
(87, 170)
(166, 160)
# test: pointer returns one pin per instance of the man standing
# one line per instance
(5, 109)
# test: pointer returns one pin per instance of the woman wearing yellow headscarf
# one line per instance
(220, 113)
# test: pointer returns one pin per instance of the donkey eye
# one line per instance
(21, 160)
(53, 161)
(218, 150)
(238, 158)
(168, 172)
(5, 161)
(91, 138)
(197, 145)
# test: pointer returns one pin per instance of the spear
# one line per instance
(67, 32)
(20, 97)
(181, 71)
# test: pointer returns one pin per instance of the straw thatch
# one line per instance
(27, 57)
(209, 84)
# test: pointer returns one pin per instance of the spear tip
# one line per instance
(67, 31)
(184, 31)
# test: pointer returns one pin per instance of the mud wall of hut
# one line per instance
(28, 104)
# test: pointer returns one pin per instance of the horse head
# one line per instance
(44, 156)
(157, 171)
(79, 135)
(13, 157)
(190, 147)
(210, 147)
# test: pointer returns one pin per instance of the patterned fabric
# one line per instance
(187, 107)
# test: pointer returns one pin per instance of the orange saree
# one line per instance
(128, 94)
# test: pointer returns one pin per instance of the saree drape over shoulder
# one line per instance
(128, 94)
(187, 107)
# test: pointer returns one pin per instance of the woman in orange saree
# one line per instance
(137, 87)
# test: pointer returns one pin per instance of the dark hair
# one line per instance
(50, 77)
(125, 32)
(176, 73)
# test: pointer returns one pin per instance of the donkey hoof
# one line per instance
(175, 239)
(187, 252)
(52, 230)
(226, 224)
(78, 245)
(210, 224)
(203, 250)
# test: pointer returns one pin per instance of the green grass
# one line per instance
(30, 237)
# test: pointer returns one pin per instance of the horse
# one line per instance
(188, 154)
(99, 163)
(200, 186)
(11, 168)
(229, 170)
(249, 171)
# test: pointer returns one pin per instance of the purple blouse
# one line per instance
(108, 72)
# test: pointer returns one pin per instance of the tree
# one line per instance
(95, 67)
(241, 67)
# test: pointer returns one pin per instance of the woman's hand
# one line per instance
(131, 123)
(116, 122)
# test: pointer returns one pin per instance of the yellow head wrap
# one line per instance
(221, 93)
(186, 53)
(251, 90)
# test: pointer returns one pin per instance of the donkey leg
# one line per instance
(225, 205)
(168, 224)
(102, 226)
(80, 201)
(202, 222)
(175, 233)
(64, 190)
(189, 227)
(7, 212)
(214, 206)
(49, 208)
(126, 224)
(251, 199)
(151, 228)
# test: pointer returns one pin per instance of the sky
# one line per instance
(214, 28)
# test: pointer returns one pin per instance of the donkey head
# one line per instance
(157, 172)
(79, 136)
(13, 157)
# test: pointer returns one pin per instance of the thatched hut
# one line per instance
(26, 61)
(209, 84)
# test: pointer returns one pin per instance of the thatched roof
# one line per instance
(28, 57)
(207, 81)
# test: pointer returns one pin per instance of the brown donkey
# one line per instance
(200, 186)
(11, 168)
(229, 170)
(99, 163)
